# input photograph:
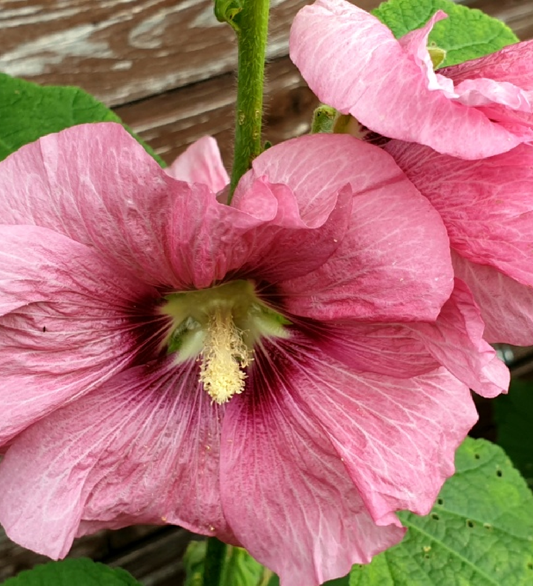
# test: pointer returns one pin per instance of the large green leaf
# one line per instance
(480, 532)
(29, 111)
(514, 416)
(465, 34)
(73, 572)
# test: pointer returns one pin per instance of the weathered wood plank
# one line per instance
(158, 560)
(124, 50)
(173, 120)
(102, 546)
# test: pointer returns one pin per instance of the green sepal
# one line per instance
(73, 572)
(227, 11)
(437, 56)
(466, 33)
(479, 533)
(29, 111)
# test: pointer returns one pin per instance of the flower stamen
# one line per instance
(224, 357)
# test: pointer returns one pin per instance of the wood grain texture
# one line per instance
(124, 50)
(151, 554)
(170, 122)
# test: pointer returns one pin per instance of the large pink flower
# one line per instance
(472, 110)
(283, 373)
(353, 63)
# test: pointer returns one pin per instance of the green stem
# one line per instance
(214, 561)
(252, 30)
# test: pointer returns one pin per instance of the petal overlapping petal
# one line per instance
(456, 341)
(397, 437)
(281, 247)
(314, 185)
(283, 466)
(156, 460)
(486, 205)
(393, 264)
(110, 195)
(506, 305)
(273, 228)
(70, 324)
(342, 51)
(201, 163)
(501, 84)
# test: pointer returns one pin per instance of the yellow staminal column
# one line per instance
(224, 356)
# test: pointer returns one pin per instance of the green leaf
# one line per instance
(465, 34)
(514, 417)
(73, 572)
(29, 111)
(480, 532)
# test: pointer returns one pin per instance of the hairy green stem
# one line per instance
(252, 30)
(214, 561)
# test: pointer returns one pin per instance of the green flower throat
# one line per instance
(220, 326)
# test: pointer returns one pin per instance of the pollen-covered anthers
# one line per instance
(224, 357)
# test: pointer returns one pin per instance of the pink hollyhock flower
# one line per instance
(487, 207)
(471, 110)
(353, 62)
(283, 373)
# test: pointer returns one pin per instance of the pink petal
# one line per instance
(415, 43)
(71, 325)
(456, 342)
(261, 241)
(313, 168)
(485, 92)
(389, 349)
(288, 246)
(96, 184)
(501, 84)
(397, 437)
(273, 228)
(144, 448)
(506, 306)
(511, 64)
(353, 62)
(393, 264)
(298, 512)
(486, 205)
(201, 163)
